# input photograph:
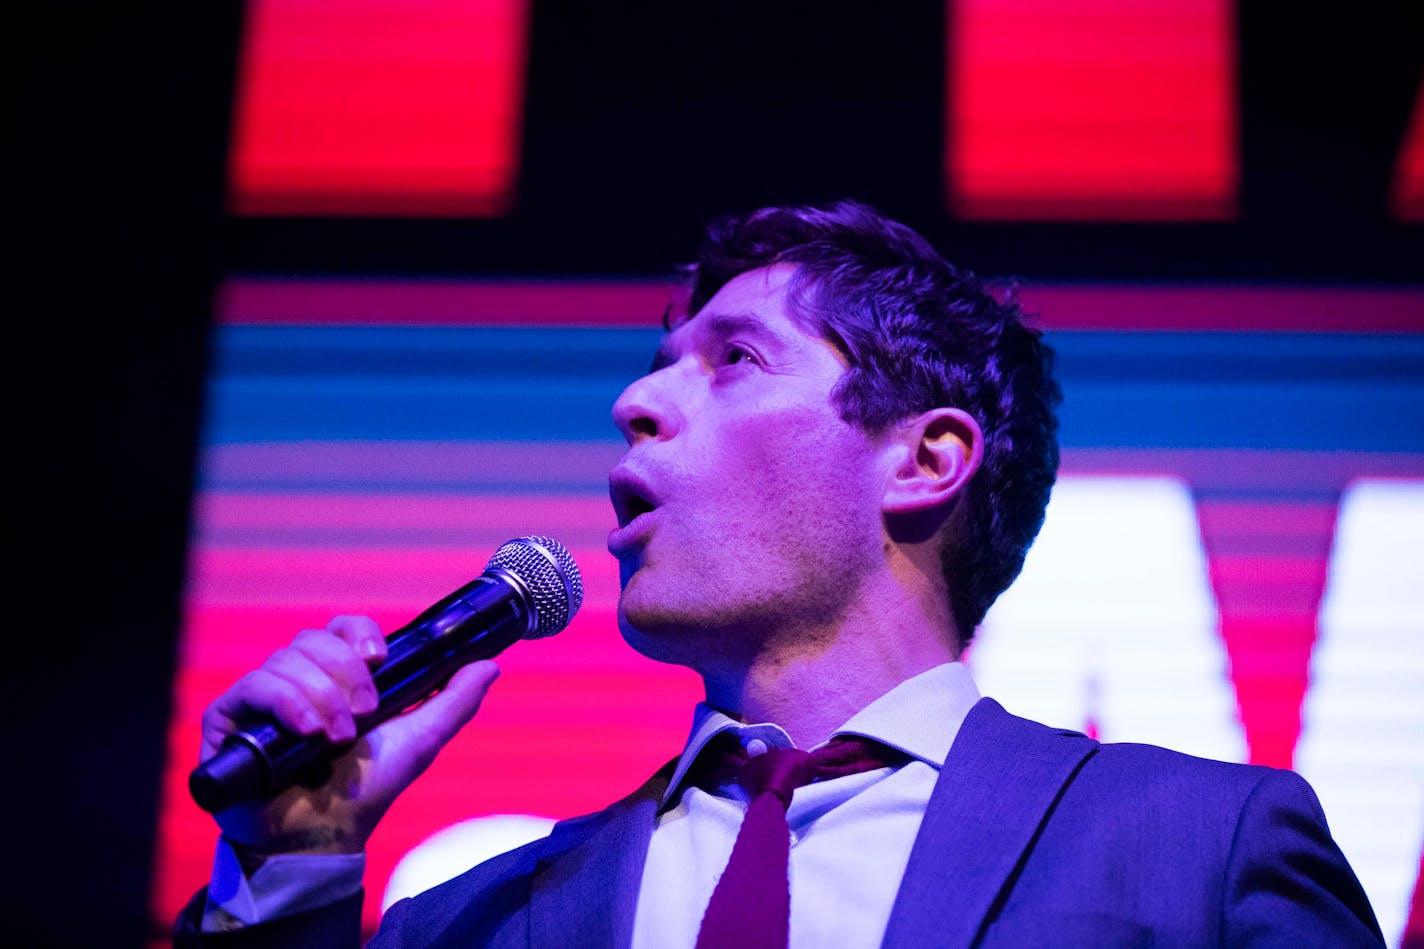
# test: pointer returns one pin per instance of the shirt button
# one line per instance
(756, 748)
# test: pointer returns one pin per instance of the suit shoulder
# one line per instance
(492, 898)
(1155, 759)
(1136, 765)
(1227, 786)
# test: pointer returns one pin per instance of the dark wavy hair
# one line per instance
(918, 333)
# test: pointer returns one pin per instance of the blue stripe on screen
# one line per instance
(1122, 390)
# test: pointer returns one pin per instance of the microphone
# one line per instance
(530, 589)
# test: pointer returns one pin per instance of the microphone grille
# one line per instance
(553, 579)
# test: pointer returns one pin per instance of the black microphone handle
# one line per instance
(478, 621)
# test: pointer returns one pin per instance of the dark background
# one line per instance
(642, 120)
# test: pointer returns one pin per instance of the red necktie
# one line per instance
(751, 905)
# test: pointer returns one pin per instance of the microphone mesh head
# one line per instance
(551, 575)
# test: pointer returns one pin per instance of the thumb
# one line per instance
(430, 726)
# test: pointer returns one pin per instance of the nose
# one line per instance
(646, 410)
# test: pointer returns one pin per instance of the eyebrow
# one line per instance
(717, 326)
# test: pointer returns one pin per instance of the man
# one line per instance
(839, 458)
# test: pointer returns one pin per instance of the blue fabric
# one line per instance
(1033, 837)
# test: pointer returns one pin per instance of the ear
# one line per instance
(932, 458)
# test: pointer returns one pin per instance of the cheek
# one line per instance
(813, 482)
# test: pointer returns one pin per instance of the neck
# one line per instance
(811, 682)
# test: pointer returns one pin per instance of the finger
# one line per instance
(337, 657)
(462, 696)
(259, 693)
(291, 689)
(325, 693)
(284, 700)
(363, 634)
(430, 726)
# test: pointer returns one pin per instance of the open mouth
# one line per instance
(630, 499)
(636, 505)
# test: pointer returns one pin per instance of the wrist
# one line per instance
(319, 841)
(249, 886)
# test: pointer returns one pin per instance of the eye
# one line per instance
(734, 355)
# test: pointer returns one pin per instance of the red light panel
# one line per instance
(1407, 197)
(379, 107)
(1091, 110)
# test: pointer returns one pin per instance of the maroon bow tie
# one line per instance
(751, 904)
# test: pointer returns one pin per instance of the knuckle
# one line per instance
(354, 627)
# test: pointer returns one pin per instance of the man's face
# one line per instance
(747, 507)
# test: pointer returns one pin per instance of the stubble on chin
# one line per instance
(715, 628)
(683, 622)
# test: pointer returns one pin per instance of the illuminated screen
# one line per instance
(1228, 565)
(397, 107)
(1064, 110)
(1407, 188)
(1090, 110)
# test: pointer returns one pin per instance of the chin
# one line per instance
(660, 626)
(685, 632)
(660, 642)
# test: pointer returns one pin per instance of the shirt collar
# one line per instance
(920, 716)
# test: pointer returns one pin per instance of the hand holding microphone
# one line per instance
(310, 703)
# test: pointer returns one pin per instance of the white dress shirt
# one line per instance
(851, 836)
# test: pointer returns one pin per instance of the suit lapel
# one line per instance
(585, 888)
(999, 781)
